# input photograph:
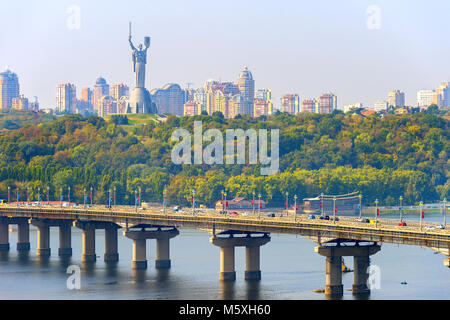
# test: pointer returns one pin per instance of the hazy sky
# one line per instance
(304, 47)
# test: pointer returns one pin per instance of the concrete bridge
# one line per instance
(335, 238)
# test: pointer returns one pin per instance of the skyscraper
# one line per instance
(396, 98)
(101, 89)
(266, 96)
(425, 98)
(66, 98)
(246, 86)
(442, 95)
(290, 103)
(169, 99)
(309, 105)
(327, 103)
(262, 108)
(118, 91)
(237, 104)
(9, 89)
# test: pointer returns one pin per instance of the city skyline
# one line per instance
(276, 63)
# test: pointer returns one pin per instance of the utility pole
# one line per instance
(9, 199)
(401, 209)
(287, 203)
(360, 206)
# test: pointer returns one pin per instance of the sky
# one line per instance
(358, 49)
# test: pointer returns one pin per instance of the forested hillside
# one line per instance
(382, 157)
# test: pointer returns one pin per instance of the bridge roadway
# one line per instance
(319, 230)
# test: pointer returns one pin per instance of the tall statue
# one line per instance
(140, 99)
(139, 60)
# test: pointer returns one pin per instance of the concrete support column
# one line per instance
(23, 235)
(4, 235)
(333, 284)
(43, 245)
(88, 254)
(65, 240)
(252, 271)
(139, 254)
(227, 271)
(111, 245)
(162, 253)
(360, 275)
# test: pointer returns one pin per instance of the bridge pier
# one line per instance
(43, 243)
(88, 252)
(4, 235)
(140, 247)
(111, 244)
(334, 256)
(65, 239)
(227, 255)
(23, 235)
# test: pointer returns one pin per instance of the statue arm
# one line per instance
(131, 44)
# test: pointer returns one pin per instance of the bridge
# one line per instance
(335, 239)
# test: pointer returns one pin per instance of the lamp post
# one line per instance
(253, 203)
(421, 213)
(287, 203)
(39, 196)
(9, 190)
(376, 212)
(17, 195)
(114, 196)
(164, 200)
(193, 201)
(135, 200)
(28, 194)
(109, 198)
(360, 206)
(259, 206)
(92, 197)
(139, 199)
(295, 208)
(401, 208)
(334, 209)
(321, 202)
(84, 197)
(48, 195)
(68, 196)
(445, 212)
(60, 197)
(226, 204)
(223, 203)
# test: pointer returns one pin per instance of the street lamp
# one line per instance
(9, 190)
(60, 197)
(321, 202)
(193, 201)
(28, 194)
(360, 206)
(114, 196)
(226, 204)
(68, 196)
(421, 213)
(295, 208)
(223, 203)
(84, 197)
(400, 209)
(376, 212)
(135, 200)
(139, 199)
(48, 195)
(165, 200)
(39, 196)
(109, 198)
(259, 207)
(445, 212)
(253, 203)
(334, 209)
(92, 189)
(287, 203)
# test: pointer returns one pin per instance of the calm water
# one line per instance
(290, 270)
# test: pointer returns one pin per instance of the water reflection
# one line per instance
(253, 289)
(4, 255)
(226, 290)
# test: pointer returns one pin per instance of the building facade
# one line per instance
(290, 103)
(442, 95)
(246, 86)
(9, 89)
(66, 98)
(169, 99)
(101, 89)
(380, 105)
(396, 99)
(309, 105)
(20, 103)
(425, 98)
(191, 108)
(327, 103)
(108, 105)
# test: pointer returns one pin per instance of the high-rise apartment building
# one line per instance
(266, 96)
(309, 105)
(191, 108)
(66, 98)
(290, 103)
(199, 97)
(262, 108)
(108, 105)
(246, 86)
(9, 89)
(101, 89)
(118, 91)
(169, 99)
(425, 98)
(327, 103)
(442, 95)
(237, 104)
(396, 98)
(20, 103)
(218, 95)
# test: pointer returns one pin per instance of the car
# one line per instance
(324, 217)
(402, 224)
(176, 208)
(440, 226)
(272, 215)
(428, 227)
(374, 222)
(234, 213)
(244, 214)
(311, 216)
(334, 219)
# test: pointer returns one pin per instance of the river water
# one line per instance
(290, 270)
